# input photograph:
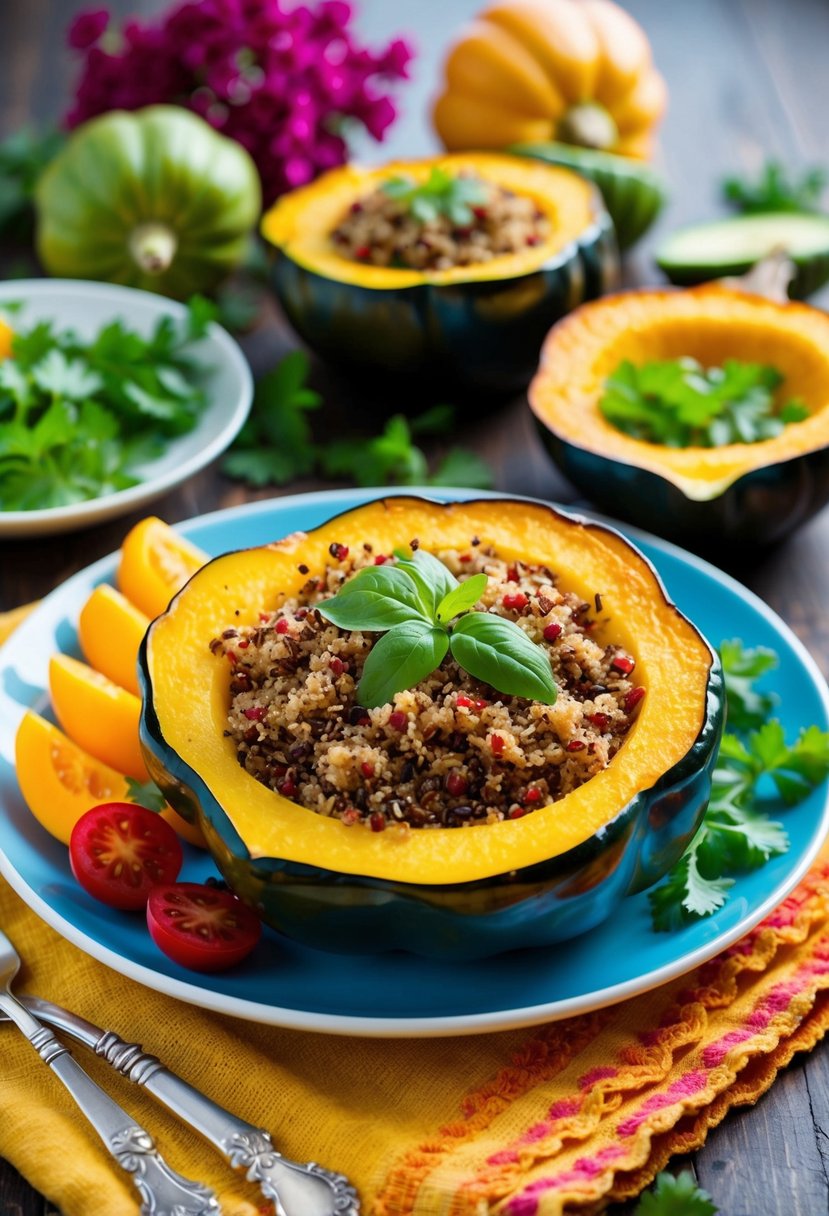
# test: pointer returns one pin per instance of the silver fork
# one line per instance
(163, 1191)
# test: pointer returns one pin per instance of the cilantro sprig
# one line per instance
(443, 194)
(680, 403)
(676, 1195)
(277, 443)
(78, 419)
(776, 189)
(737, 834)
(424, 612)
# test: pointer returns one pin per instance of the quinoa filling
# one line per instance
(382, 231)
(449, 752)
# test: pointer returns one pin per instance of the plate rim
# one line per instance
(47, 521)
(450, 1024)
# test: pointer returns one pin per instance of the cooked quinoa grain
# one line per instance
(380, 231)
(449, 752)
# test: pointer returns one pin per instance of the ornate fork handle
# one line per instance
(163, 1191)
(294, 1189)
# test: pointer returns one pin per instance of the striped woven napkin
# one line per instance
(521, 1123)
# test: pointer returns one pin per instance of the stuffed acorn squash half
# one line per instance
(709, 498)
(535, 875)
(450, 269)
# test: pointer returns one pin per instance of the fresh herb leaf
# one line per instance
(747, 708)
(462, 598)
(376, 598)
(145, 794)
(403, 657)
(676, 1195)
(461, 467)
(777, 190)
(276, 445)
(679, 403)
(442, 194)
(498, 651)
(437, 420)
(434, 580)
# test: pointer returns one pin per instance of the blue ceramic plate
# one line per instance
(400, 994)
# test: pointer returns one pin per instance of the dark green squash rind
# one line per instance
(481, 334)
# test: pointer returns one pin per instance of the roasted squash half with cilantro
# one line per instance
(479, 325)
(459, 893)
(747, 493)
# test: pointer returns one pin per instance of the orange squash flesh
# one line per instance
(711, 323)
(110, 630)
(97, 715)
(6, 338)
(189, 687)
(155, 563)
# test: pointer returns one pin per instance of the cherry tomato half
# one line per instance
(119, 851)
(201, 927)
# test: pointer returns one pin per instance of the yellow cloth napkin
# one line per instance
(522, 1123)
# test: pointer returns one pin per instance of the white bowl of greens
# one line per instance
(111, 398)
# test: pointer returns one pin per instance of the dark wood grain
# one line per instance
(747, 78)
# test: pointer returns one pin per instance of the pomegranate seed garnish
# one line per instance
(633, 698)
(517, 812)
(256, 713)
(575, 745)
(380, 559)
(349, 816)
(464, 701)
(362, 251)
(282, 625)
(481, 703)
(480, 213)
(456, 784)
(338, 552)
(512, 575)
(398, 720)
(301, 614)
(533, 239)
(551, 632)
(243, 645)
(367, 769)
(624, 664)
(286, 788)
(516, 601)
(337, 665)
(532, 796)
(496, 742)
(465, 557)
(600, 721)
(377, 822)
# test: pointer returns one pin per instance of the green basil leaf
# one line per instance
(407, 654)
(498, 652)
(461, 598)
(377, 598)
(434, 580)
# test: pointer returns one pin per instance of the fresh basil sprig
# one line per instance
(442, 194)
(424, 612)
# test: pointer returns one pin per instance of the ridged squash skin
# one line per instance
(707, 499)
(445, 893)
(479, 327)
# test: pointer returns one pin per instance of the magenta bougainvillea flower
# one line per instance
(285, 81)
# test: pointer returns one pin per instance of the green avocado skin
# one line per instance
(540, 905)
(482, 335)
(633, 192)
(162, 166)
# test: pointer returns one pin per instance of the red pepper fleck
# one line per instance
(480, 703)
(496, 742)
(282, 625)
(600, 721)
(532, 796)
(551, 632)
(516, 601)
(337, 551)
(380, 559)
(465, 557)
(350, 815)
(517, 812)
(398, 720)
(337, 665)
(575, 745)
(377, 822)
(286, 788)
(624, 664)
(512, 575)
(464, 701)
(362, 251)
(264, 616)
(633, 698)
(301, 614)
(367, 769)
(256, 713)
(456, 784)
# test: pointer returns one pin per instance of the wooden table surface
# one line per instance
(747, 78)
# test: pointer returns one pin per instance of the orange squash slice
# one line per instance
(110, 629)
(97, 715)
(156, 563)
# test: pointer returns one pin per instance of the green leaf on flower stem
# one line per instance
(403, 657)
(375, 599)
(500, 653)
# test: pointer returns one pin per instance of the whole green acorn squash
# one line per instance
(452, 893)
(154, 199)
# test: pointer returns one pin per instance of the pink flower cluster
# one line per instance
(283, 80)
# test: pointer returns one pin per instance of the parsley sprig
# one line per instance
(737, 835)
(776, 189)
(78, 419)
(424, 612)
(676, 1195)
(442, 194)
(277, 443)
(680, 403)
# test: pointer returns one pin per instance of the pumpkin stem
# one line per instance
(153, 247)
(770, 277)
(589, 125)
